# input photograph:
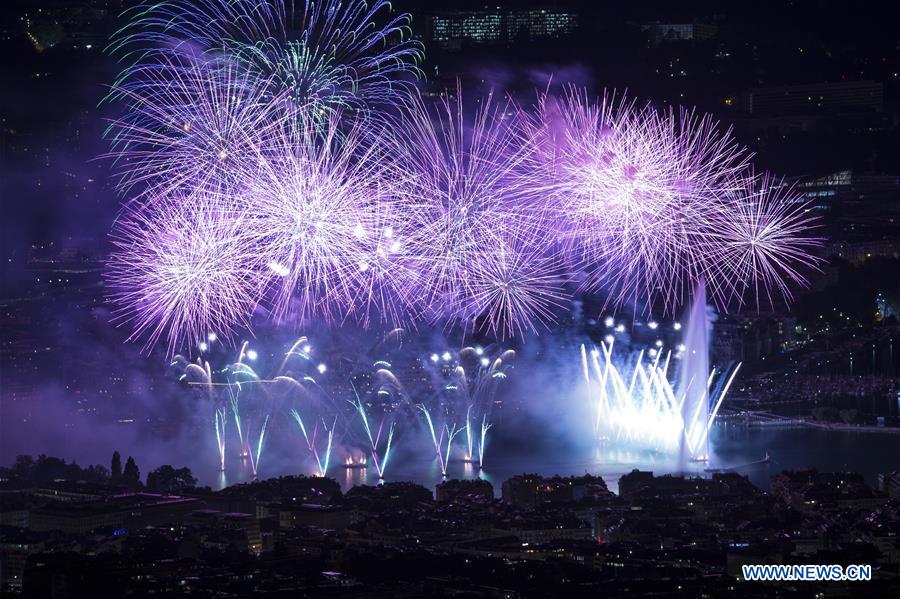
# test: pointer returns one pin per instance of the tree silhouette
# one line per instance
(167, 479)
(115, 470)
(47, 469)
(131, 476)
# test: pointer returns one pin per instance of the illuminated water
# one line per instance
(733, 447)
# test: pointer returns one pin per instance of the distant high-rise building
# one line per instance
(498, 26)
(863, 210)
(539, 24)
(679, 32)
(815, 98)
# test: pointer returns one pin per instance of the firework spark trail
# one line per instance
(470, 440)
(310, 443)
(475, 217)
(641, 194)
(452, 431)
(763, 242)
(190, 124)
(320, 207)
(647, 413)
(482, 445)
(220, 419)
(325, 56)
(236, 412)
(321, 462)
(473, 448)
(247, 412)
(186, 268)
(374, 441)
(254, 463)
(437, 440)
(387, 452)
(328, 450)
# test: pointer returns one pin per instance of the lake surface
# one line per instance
(734, 447)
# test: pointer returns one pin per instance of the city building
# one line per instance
(454, 29)
(815, 98)
(117, 512)
(660, 33)
(477, 491)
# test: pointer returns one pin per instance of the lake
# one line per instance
(736, 447)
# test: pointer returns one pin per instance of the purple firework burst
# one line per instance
(183, 270)
(762, 242)
(257, 176)
(515, 289)
(637, 192)
(322, 214)
(473, 212)
(190, 126)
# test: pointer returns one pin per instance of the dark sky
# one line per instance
(50, 100)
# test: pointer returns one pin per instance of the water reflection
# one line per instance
(736, 448)
(353, 476)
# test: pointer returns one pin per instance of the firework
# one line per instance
(480, 381)
(636, 192)
(259, 183)
(475, 222)
(466, 384)
(763, 242)
(380, 452)
(253, 403)
(479, 445)
(322, 461)
(251, 410)
(647, 410)
(219, 422)
(446, 431)
(516, 289)
(382, 398)
(323, 215)
(199, 373)
(190, 125)
(310, 403)
(182, 270)
(324, 55)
